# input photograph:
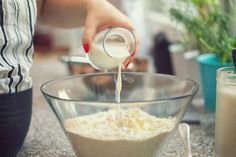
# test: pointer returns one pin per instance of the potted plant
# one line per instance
(209, 28)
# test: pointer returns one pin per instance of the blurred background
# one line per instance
(150, 17)
(187, 38)
(174, 34)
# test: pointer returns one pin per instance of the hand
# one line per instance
(101, 15)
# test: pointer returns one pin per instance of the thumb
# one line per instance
(88, 35)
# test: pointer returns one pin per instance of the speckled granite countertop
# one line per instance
(46, 138)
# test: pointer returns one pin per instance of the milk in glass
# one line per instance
(225, 133)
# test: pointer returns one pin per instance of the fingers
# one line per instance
(129, 60)
(137, 46)
(128, 25)
(137, 39)
(92, 26)
(88, 35)
(125, 22)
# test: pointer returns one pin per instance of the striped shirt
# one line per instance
(17, 23)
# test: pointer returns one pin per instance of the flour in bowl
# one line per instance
(134, 134)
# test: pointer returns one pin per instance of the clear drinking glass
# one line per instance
(110, 47)
(162, 96)
(225, 133)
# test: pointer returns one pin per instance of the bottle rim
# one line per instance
(112, 29)
(227, 75)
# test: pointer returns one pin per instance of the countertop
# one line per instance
(46, 139)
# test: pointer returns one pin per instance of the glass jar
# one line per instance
(225, 131)
(111, 47)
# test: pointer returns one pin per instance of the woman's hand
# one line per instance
(100, 15)
(95, 15)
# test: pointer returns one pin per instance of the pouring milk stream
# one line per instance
(126, 133)
(109, 49)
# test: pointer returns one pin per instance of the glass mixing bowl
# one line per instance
(161, 96)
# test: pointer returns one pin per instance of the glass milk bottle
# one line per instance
(225, 133)
(111, 47)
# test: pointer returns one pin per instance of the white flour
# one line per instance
(135, 134)
(117, 132)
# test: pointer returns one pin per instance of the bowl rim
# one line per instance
(194, 91)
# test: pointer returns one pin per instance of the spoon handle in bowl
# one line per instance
(184, 131)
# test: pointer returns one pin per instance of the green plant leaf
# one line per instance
(211, 30)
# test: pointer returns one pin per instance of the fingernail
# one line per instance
(126, 66)
(86, 47)
(133, 54)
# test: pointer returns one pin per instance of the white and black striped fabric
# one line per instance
(17, 23)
